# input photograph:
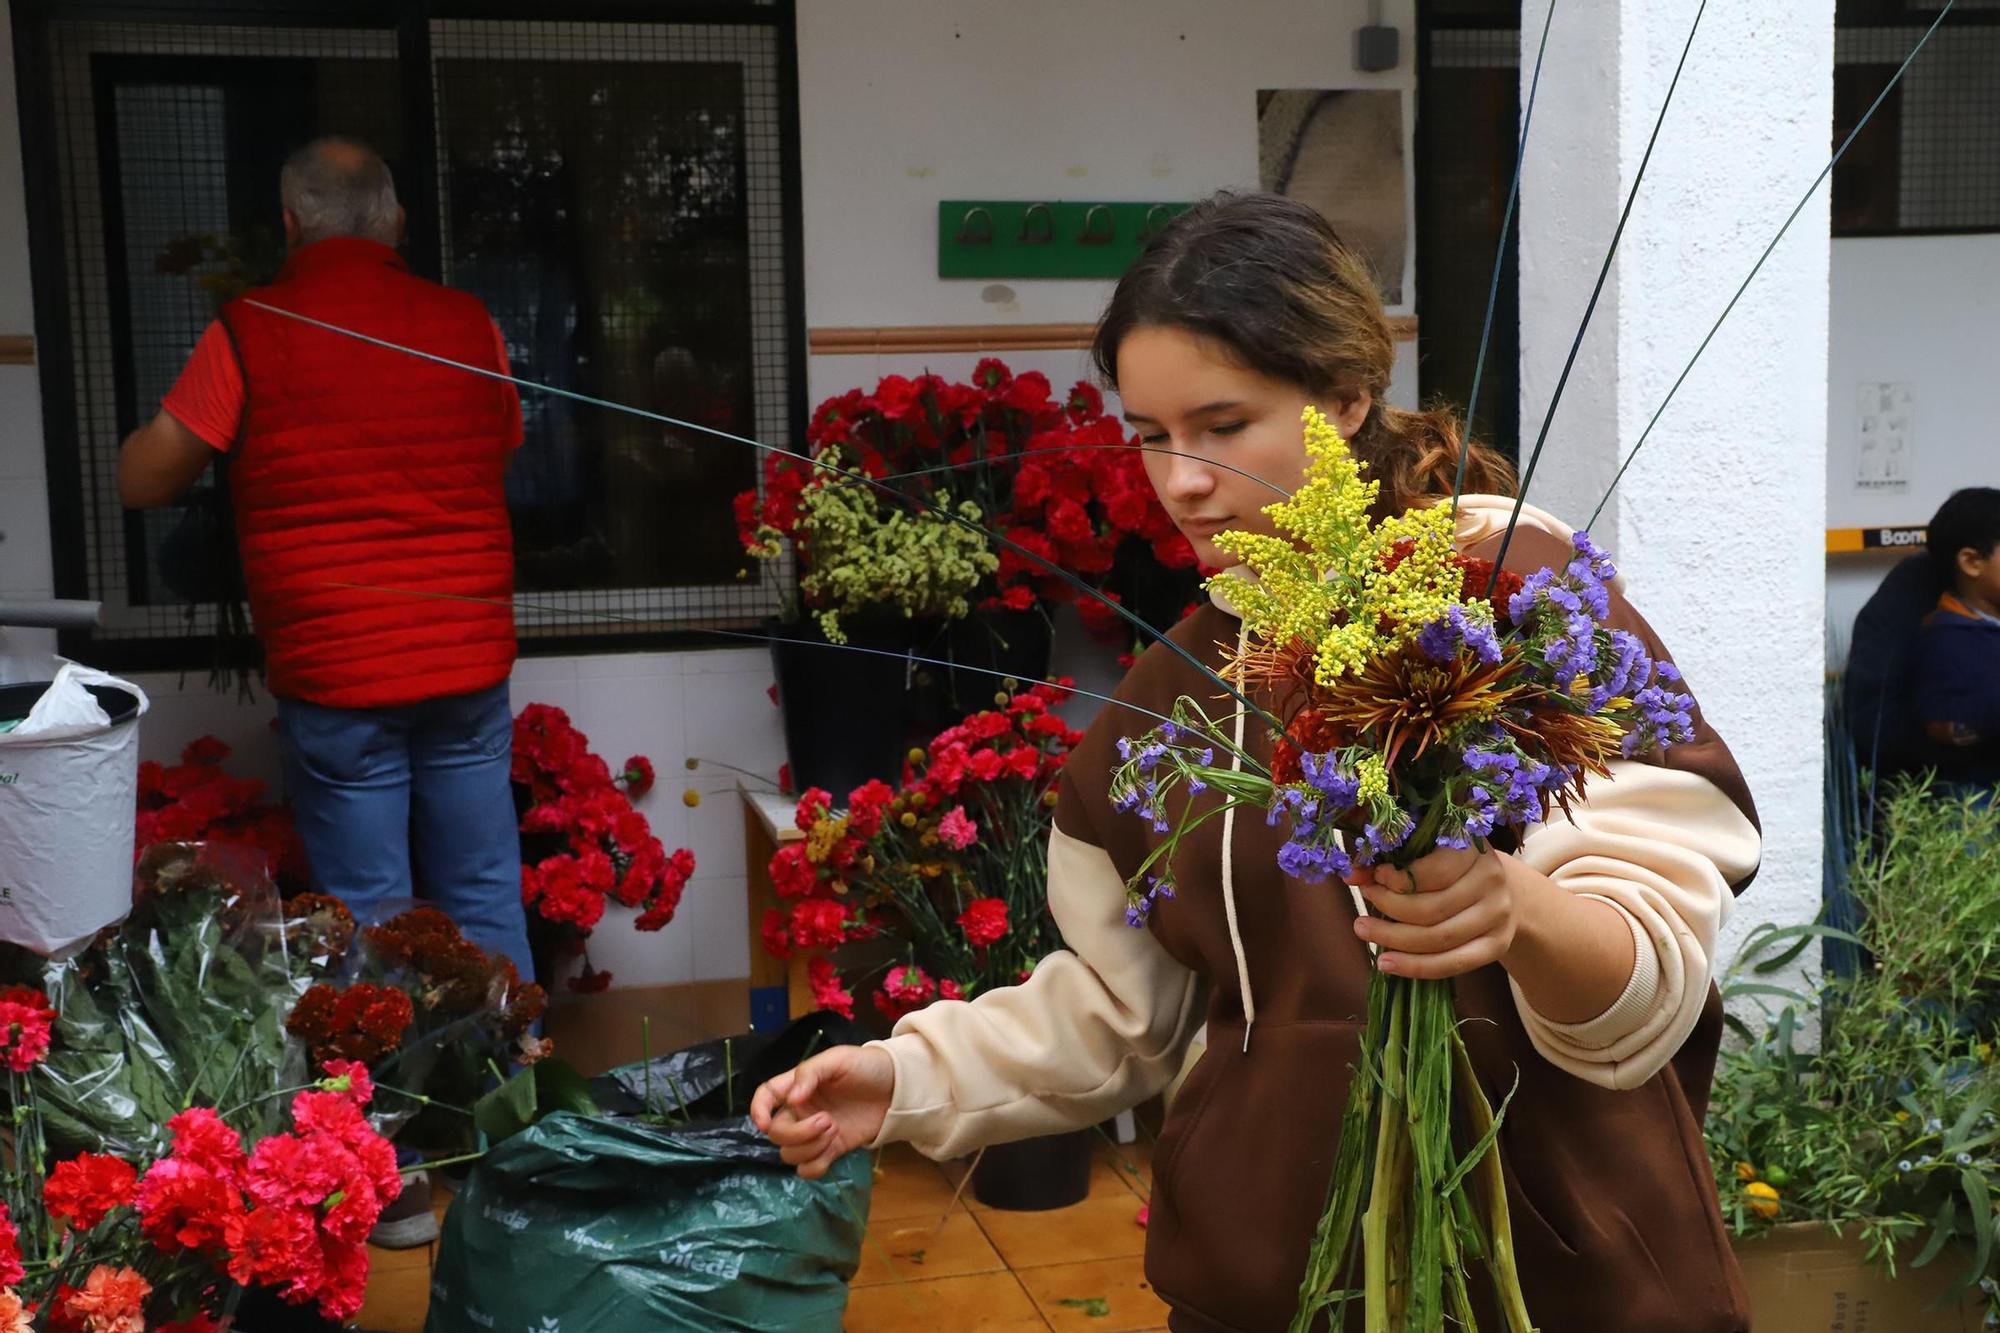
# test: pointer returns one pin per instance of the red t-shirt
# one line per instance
(208, 397)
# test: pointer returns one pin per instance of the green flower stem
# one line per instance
(442, 1162)
(1500, 1227)
(1391, 1164)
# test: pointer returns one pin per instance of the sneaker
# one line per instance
(409, 1221)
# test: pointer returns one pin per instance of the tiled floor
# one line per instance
(938, 1264)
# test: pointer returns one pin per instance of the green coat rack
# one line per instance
(986, 238)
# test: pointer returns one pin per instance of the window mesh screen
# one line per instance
(1929, 160)
(626, 230)
(614, 192)
(1468, 114)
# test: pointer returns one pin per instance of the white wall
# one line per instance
(24, 512)
(1922, 311)
(1719, 524)
(906, 102)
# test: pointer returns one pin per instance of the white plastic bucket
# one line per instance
(69, 792)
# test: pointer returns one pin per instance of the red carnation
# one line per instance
(87, 1188)
(904, 990)
(11, 1271)
(25, 1023)
(984, 921)
(637, 775)
(827, 991)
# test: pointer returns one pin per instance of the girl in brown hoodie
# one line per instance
(1583, 954)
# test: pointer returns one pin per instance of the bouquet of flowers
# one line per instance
(424, 1007)
(145, 1080)
(1056, 478)
(1419, 700)
(582, 842)
(197, 801)
(948, 870)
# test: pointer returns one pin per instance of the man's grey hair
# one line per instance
(337, 187)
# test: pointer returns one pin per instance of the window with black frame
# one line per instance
(1928, 162)
(616, 193)
(1468, 111)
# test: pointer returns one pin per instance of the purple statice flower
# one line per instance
(1169, 732)
(1593, 557)
(1313, 860)
(1441, 639)
(1298, 804)
(1196, 786)
(1207, 757)
(1139, 907)
(1506, 789)
(1522, 604)
(1666, 716)
(1126, 799)
(1150, 755)
(1479, 813)
(1630, 664)
(1125, 747)
(1377, 840)
(1324, 773)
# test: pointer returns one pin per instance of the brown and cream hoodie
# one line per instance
(1615, 1216)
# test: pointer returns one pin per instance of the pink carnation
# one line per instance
(957, 831)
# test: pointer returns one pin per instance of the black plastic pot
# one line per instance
(847, 713)
(1035, 1175)
(1012, 643)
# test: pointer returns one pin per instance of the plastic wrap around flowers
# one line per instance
(1416, 700)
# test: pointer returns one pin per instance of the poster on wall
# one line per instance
(1341, 150)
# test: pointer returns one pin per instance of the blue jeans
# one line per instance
(378, 790)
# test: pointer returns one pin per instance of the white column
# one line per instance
(1719, 523)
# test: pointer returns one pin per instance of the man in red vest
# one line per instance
(369, 506)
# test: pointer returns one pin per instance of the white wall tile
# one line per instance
(715, 835)
(730, 717)
(641, 958)
(558, 693)
(25, 567)
(182, 709)
(21, 443)
(715, 913)
(725, 661)
(643, 665)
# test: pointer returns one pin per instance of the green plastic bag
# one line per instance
(654, 1219)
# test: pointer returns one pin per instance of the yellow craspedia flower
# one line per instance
(824, 836)
(1373, 780)
(690, 798)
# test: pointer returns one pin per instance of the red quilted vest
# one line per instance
(360, 465)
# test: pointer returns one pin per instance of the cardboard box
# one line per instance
(1804, 1279)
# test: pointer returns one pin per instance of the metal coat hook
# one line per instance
(1092, 233)
(1157, 218)
(969, 234)
(1038, 235)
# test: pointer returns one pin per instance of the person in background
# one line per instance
(358, 476)
(1958, 650)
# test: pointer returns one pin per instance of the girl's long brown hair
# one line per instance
(1267, 279)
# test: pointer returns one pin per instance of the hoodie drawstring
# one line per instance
(1229, 872)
